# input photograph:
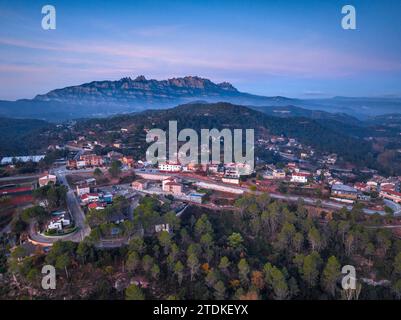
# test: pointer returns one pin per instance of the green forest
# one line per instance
(264, 249)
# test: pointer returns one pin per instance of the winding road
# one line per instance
(77, 214)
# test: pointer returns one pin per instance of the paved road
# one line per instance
(308, 200)
(75, 210)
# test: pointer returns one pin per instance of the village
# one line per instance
(300, 171)
(299, 174)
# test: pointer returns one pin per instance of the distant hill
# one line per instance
(323, 131)
(360, 107)
(225, 115)
(21, 137)
(294, 111)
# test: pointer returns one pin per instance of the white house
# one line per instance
(238, 169)
(89, 197)
(278, 174)
(45, 180)
(391, 195)
(81, 163)
(231, 180)
(162, 227)
(81, 190)
(58, 223)
(55, 225)
(300, 177)
(170, 167)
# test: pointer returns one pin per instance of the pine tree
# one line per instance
(331, 273)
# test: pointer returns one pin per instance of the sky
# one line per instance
(271, 47)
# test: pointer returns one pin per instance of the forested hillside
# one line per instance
(224, 115)
(264, 249)
(22, 136)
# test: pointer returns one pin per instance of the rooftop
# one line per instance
(343, 187)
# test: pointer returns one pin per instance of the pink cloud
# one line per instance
(276, 59)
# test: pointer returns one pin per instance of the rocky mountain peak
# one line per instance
(227, 86)
(130, 92)
(140, 78)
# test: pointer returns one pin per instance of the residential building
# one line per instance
(170, 167)
(214, 168)
(82, 189)
(300, 177)
(196, 197)
(96, 205)
(72, 164)
(89, 197)
(268, 174)
(92, 160)
(90, 181)
(343, 191)
(162, 227)
(118, 145)
(81, 164)
(231, 180)
(87, 182)
(45, 180)
(274, 174)
(172, 186)
(58, 223)
(292, 166)
(195, 167)
(384, 186)
(87, 146)
(108, 198)
(128, 160)
(360, 186)
(237, 169)
(279, 174)
(391, 195)
(139, 185)
(372, 185)
(331, 159)
(114, 156)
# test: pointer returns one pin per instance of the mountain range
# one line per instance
(104, 98)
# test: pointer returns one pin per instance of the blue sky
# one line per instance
(289, 48)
